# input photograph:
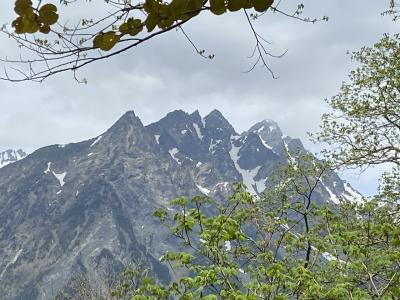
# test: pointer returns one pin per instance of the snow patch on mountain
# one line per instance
(96, 141)
(224, 184)
(260, 185)
(228, 246)
(247, 175)
(352, 195)
(265, 143)
(213, 145)
(48, 170)
(11, 262)
(204, 190)
(198, 131)
(332, 196)
(173, 152)
(60, 177)
(290, 158)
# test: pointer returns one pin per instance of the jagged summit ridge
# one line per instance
(9, 156)
(213, 149)
(216, 121)
(84, 202)
(266, 124)
(127, 120)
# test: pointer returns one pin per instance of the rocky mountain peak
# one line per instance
(267, 130)
(85, 201)
(196, 117)
(126, 136)
(216, 119)
(253, 151)
(127, 121)
(176, 116)
(9, 156)
(217, 126)
(270, 135)
(177, 120)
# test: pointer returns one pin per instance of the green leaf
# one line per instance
(210, 297)
(18, 25)
(161, 214)
(151, 22)
(25, 24)
(262, 5)
(151, 6)
(235, 5)
(106, 41)
(193, 9)
(177, 8)
(48, 14)
(166, 22)
(217, 7)
(44, 29)
(147, 280)
(22, 7)
(131, 26)
(180, 201)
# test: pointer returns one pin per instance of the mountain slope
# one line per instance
(73, 208)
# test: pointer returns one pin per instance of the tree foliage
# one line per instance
(284, 245)
(394, 10)
(55, 42)
(281, 245)
(364, 126)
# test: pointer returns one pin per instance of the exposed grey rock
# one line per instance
(66, 209)
(9, 156)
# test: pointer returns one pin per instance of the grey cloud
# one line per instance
(167, 74)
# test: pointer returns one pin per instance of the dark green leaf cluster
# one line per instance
(158, 13)
(31, 20)
(164, 15)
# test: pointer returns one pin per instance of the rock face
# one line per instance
(9, 156)
(66, 209)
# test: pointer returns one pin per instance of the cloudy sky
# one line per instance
(166, 74)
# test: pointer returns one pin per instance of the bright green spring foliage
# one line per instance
(365, 122)
(156, 14)
(364, 125)
(282, 245)
(285, 244)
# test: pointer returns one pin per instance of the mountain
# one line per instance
(9, 156)
(77, 208)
